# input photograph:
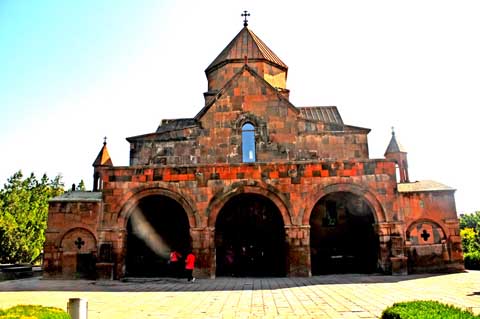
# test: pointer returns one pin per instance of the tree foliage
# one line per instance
(470, 221)
(470, 234)
(81, 186)
(470, 240)
(23, 216)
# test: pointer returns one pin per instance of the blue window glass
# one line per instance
(248, 143)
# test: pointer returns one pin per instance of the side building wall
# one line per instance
(432, 231)
(71, 237)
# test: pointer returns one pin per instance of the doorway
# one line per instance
(157, 225)
(250, 238)
(342, 236)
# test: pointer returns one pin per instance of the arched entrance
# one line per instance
(342, 236)
(157, 225)
(250, 238)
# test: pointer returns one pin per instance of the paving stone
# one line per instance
(352, 296)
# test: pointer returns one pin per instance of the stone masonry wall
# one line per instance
(67, 222)
(202, 190)
(280, 134)
(432, 231)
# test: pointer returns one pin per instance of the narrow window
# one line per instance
(248, 143)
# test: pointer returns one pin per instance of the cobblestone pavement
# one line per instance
(333, 296)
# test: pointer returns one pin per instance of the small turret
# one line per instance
(103, 160)
(395, 151)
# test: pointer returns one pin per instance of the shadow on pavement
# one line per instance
(218, 284)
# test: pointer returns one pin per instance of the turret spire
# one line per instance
(395, 151)
(103, 160)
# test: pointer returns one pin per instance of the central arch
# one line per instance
(156, 225)
(342, 235)
(250, 238)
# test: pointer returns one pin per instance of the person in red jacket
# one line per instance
(189, 266)
(175, 268)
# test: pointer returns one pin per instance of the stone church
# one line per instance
(254, 186)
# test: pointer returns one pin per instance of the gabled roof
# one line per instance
(176, 124)
(234, 77)
(423, 186)
(103, 158)
(394, 146)
(246, 43)
(328, 114)
(166, 127)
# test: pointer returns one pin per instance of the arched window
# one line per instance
(248, 143)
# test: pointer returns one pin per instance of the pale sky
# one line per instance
(72, 72)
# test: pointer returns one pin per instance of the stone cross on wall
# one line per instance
(79, 242)
(425, 235)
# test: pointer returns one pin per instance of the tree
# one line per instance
(23, 216)
(81, 186)
(470, 220)
(470, 234)
(470, 240)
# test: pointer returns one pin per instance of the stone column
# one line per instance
(454, 243)
(119, 241)
(203, 247)
(383, 232)
(298, 250)
(392, 257)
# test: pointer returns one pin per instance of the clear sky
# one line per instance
(72, 72)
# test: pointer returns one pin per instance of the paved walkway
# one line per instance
(333, 296)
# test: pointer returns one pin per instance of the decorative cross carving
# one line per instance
(425, 235)
(79, 242)
(245, 14)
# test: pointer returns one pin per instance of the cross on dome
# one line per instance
(245, 14)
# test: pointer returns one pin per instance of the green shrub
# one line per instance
(33, 312)
(472, 260)
(425, 310)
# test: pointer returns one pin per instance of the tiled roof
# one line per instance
(103, 158)
(328, 114)
(246, 43)
(78, 196)
(422, 186)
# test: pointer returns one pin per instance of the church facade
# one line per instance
(254, 186)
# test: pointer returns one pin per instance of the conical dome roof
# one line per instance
(246, 44)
